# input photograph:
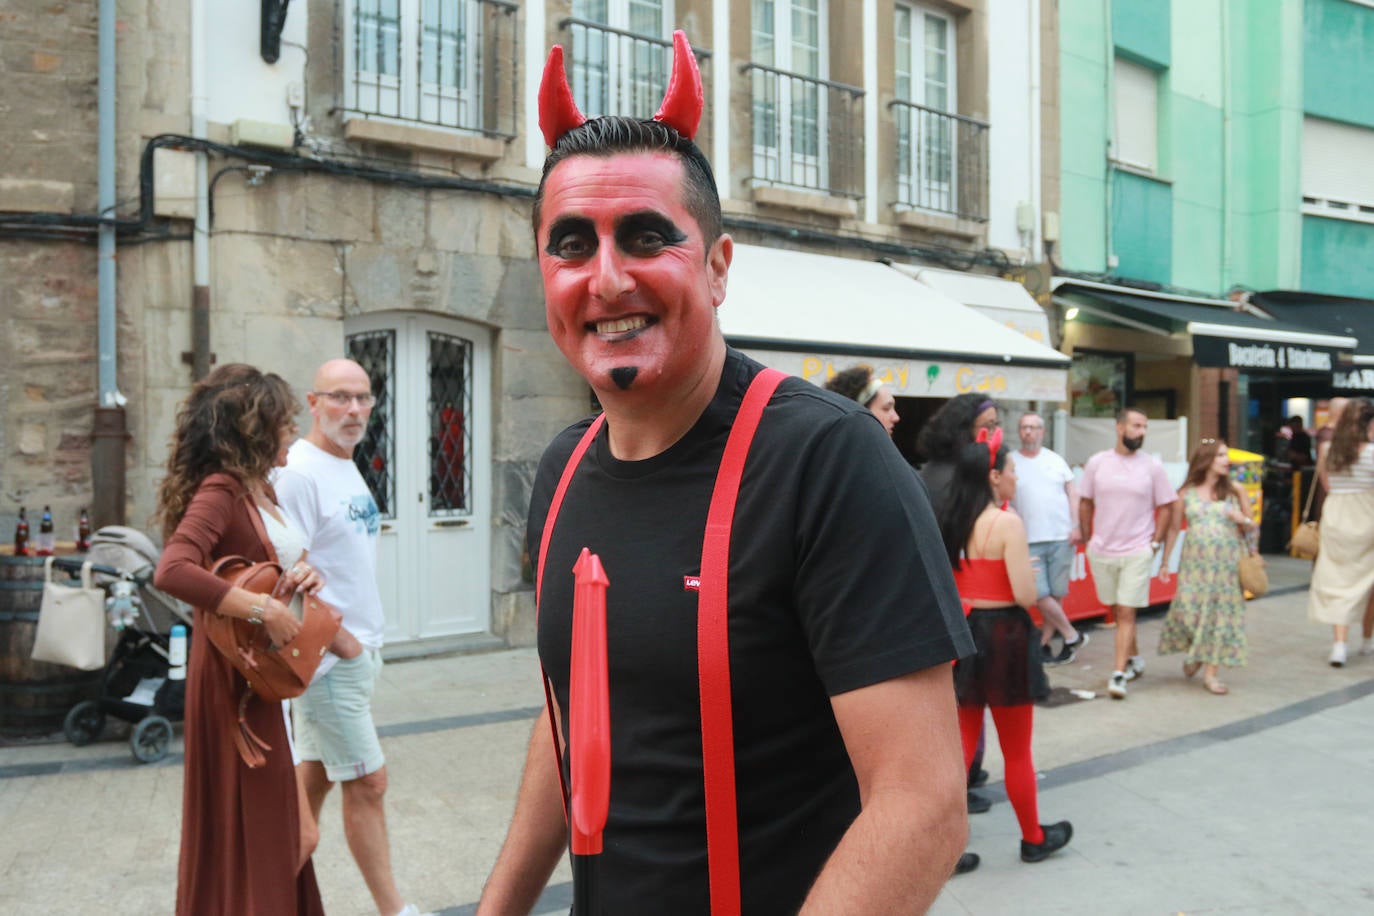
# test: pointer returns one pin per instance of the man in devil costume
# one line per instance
(842, 786)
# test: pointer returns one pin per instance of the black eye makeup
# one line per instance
(646, 233)
(571, 237)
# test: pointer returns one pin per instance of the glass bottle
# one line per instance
(21, 535)
(83, 531)
(46, 541)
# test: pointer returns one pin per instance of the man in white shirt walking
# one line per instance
(1047, 502)
(324, 493)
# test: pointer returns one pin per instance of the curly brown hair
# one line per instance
(851, 382)
(1352, 431)
(231, 423)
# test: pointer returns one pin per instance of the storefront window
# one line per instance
(1099, 383)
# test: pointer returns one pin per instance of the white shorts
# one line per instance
(1123, 581)
(334, 719)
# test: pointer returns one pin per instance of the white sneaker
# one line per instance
(1337, 658)
(411, 910)
(1117, 685)
(1367, 647)
(1135, 667)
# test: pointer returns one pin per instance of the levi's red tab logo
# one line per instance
(691, 583)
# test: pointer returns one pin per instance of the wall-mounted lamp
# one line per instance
(272, 22)
(1071, 314)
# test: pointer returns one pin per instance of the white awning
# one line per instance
(814, 315)
(1001, 300)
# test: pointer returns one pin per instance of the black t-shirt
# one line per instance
(838, 580)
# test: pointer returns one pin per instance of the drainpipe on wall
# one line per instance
(1034, 102)
(200, 242)
(1109, 84)
(109, 430)
(1225, 147)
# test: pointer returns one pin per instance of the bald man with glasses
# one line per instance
(325, 494)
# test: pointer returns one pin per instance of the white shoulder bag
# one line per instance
(71, 623)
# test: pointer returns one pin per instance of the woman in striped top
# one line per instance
(1344, 575)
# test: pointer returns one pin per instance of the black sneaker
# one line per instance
(967, 863)
(978, 778)
(1070, 651)
(978, 804)
(1057, 836)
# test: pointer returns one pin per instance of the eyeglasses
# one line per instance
(342, 398)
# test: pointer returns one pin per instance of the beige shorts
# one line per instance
(1123, 581)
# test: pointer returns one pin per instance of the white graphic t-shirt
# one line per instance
(330, 501)
(1040, 499)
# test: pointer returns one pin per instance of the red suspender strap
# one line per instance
(713, 654)
(549, 518)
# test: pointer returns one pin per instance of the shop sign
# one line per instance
(922, 379)
(1353, 379)
(1220, 353)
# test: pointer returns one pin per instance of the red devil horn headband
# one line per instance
(681, 108)
(994, 443)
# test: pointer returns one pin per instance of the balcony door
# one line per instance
(620, 56)
(927, 142)
(790, 107)
(427, 458)
(415, 60)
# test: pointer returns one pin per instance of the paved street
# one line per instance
(1182, 802)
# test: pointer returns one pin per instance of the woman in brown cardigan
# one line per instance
(242, 848)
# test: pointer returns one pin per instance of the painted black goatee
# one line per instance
(624, 376)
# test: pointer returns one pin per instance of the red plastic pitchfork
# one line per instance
(589, 728)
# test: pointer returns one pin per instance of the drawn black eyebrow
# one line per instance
(631, 224)
(569, 225)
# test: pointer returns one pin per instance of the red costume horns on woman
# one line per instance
(681, 108)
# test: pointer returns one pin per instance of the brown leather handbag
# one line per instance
(274, 673)
(1307, 537)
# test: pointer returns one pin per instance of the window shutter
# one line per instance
(1336, 165)
(1135, 141)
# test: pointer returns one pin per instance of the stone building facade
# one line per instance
(370, 194)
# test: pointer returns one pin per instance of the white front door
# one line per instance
(427, 457)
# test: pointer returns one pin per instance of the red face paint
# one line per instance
(627, 278)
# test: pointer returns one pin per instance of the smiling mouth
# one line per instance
(620, 328)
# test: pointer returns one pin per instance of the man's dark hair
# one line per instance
(1125, 412)
(611, 135)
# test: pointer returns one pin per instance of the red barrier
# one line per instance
(1081, 602)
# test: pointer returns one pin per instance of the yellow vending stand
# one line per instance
(1247, 469)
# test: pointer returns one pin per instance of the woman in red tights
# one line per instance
(992, 569)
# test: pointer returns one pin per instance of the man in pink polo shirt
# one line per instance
(1124, 515)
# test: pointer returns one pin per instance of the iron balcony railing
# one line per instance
(942, 161)
(615, 72)
(445, 63)
(807, 133)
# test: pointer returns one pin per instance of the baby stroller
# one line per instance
(135, 686)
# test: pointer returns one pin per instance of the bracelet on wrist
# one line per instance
(256, 611)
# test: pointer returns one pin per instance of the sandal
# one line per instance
(1215, 686)
(1191, 668)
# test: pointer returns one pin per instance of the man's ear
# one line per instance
(718, 267)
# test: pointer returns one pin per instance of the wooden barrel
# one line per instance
(34, 696)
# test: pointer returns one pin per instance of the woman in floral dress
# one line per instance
(1207, 617)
